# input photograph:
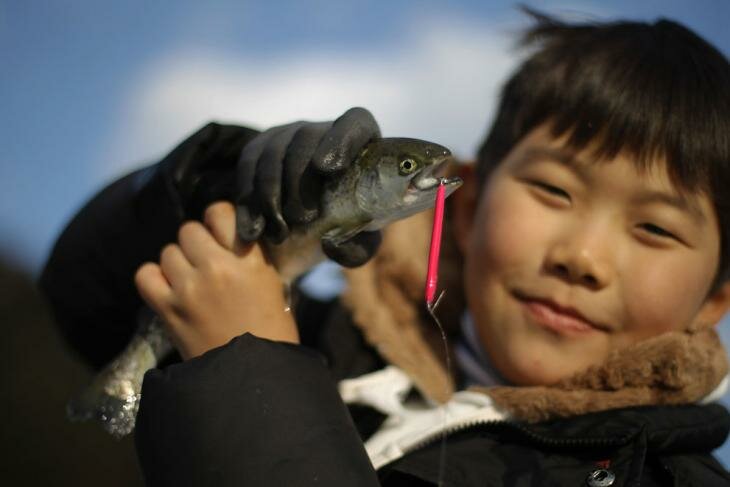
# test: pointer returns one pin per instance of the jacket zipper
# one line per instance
(521, 429)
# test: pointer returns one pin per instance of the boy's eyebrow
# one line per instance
(567, 159)
(563, 157)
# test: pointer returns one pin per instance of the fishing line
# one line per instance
(431, 305)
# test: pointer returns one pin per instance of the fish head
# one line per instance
(399, 177)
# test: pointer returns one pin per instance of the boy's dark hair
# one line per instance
(648, 89)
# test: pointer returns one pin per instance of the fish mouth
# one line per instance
(431, 177)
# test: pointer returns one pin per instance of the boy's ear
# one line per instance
(714, 308)
(464, 206)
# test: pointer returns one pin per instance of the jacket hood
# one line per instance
(385, 297)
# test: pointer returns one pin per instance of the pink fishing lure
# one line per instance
(435, 250)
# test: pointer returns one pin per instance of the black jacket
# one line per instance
(256, 412)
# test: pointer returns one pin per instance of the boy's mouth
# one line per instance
(557, 317)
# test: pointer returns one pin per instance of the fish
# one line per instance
(390, 179)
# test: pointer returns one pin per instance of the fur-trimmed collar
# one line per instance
(385, 298)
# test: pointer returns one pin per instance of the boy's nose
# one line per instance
(579, 263)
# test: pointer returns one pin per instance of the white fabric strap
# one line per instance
(717, 393)
(411, 423)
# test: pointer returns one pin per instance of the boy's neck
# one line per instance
(472, 359)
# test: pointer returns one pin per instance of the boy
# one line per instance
(589, 245)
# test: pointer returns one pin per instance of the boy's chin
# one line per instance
(539, 366)
(528, 375)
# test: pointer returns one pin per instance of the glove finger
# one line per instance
(344, 141)
(302, 185)
(249, 221)
(246, 169)
(356, 251)
(268, 183)
(249, 224)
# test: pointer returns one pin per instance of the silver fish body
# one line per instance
(391, 179)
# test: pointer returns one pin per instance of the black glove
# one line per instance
(281, 173)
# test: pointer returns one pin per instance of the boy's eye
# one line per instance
(658, 231)
(552, 190)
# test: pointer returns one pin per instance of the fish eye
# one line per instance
(407, 166)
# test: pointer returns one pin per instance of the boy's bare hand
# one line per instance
(210, 288)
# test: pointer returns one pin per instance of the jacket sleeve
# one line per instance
(88, 278)
(253, 412)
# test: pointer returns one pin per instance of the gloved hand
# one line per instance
(281, 174)
(88, 278)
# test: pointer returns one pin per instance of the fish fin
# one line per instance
(337, 235)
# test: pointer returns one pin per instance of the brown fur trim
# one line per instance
(675, 368)
(385, 297)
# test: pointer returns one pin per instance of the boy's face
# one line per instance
(596, 238)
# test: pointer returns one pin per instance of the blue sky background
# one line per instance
(90, 90)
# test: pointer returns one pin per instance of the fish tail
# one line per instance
(112, 397)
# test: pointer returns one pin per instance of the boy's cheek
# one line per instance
(646, 294)
(659, 297)
(509, 231)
